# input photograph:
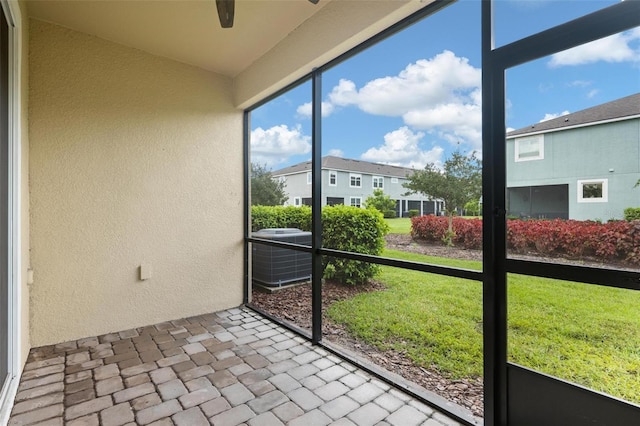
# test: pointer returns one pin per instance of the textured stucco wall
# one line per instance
(133, 159)
(24, 188)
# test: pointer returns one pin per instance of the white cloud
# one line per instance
(615, 48)
(276, 144)
(402, 148)
(304, 110)
(441, 79)
(580, 83)
(592, 93)
(551, 116)
(440, 95)
(336, 152)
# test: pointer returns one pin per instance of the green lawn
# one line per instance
(582, 333)
(399, 225)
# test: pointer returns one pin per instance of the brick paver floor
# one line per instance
(229, 368)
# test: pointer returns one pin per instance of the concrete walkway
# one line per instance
(228, 368)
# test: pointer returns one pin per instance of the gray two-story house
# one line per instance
(580, 166)
(350, 182)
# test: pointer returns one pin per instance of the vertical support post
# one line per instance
(246, 125)
(316, 214)
(494, 229)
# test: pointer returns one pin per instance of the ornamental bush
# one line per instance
(345, 228)
(263, 217)
(467, 233)
(356, 230)
(632, 213)
(615, 240)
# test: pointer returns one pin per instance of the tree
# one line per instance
(457, 183)
(265, 190)
(472, 208)
(380, 202)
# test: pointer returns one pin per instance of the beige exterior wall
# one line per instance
(134, 159)
(24, 188)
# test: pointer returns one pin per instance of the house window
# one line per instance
(309, 178)
(355, 201)
(297, 201)
(593, 191)
(333, 178)
(355, 181)
(378, 182)
(530, 148)
(394, 180)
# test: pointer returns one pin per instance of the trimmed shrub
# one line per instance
(414, 213)
(617, 241)
(632, 213)
(468, 233)
(356, 230)
(280, 217)
(430, 228)
(344, 228)
(389, 214)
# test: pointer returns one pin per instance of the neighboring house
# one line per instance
(351, 182)
(580, 166)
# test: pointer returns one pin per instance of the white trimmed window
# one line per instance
(530, 148)
(355, 181)
(593, 191)
(355, 201)
(378, 182)
(394, 180)
(333, 178)
(297, 201)
(309, 178)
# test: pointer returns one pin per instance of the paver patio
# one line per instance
(228, 368)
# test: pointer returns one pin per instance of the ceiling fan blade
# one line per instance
(226, 10)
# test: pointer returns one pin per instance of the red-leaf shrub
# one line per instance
(468, 233)
(430, 228)
(616, 240)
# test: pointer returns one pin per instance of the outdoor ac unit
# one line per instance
(276, 266)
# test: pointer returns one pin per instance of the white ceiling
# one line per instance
(184, 30)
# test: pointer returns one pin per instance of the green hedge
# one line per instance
(632, 213)
(280, 217)
(356, 230)
(389, 214)
(345, 228)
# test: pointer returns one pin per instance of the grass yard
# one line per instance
(582, 333)
(399, 225)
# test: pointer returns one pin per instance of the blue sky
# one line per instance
(414, 98)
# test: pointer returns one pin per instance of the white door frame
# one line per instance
(11, 12)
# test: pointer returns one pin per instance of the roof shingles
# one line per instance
(346, 164)
(628, 106)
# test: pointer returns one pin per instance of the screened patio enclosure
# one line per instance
(539, 202)
(514, 394)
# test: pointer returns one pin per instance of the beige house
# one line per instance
(125, 153)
